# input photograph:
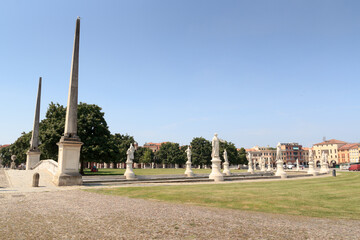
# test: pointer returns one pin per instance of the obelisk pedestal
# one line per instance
(226, 169)
(68, 168)
(32, 158)
(215, 172)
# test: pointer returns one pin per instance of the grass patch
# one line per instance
(149, 171)
(326, 197)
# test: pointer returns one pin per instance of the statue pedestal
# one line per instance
(269, 169)
(324, 168)
(215, 173)
(129, 173)
(311, 168)
(188, 171)
(226, 169)
(262, 169)
(32, 158)
(69, 156)
(250, 169)
(280, 169)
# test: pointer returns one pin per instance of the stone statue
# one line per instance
(188, 153)
(225, 156)
(129, 173)
(278, 151)
(250, 163)
(262, 164)
(279, 163)
(226, 164)
(130, 153)
(215, 143)
(216, 162)
(188, 171)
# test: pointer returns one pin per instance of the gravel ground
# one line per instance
(77, 214)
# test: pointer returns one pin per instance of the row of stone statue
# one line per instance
(216, 162)
(215, 173)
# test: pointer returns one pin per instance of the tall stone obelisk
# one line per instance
(33, 155)
(70, 144)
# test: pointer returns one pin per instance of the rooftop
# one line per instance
(331, 141)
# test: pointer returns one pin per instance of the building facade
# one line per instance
(331, 147)
(153, 146)
(265, 152)
(354, 153)
(291, 152)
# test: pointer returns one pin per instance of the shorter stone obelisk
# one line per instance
(226, 164)
(250, 163)
(216, 161)
(279, 162)
(33, 154)
(269, 169)
(188, 171)
(129, 172)
(70, 144)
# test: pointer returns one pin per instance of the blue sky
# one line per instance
(256, 72)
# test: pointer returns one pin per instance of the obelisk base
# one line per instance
(215, 172)
(129, 172)
(68, 163)
(32, 158)
(280, 169)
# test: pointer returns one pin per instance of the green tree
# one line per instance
(147, 156)
(242, 156)
(120, 145)
(201, 151)
(51, 130)
(231, 150)
(5, 155)
(170, 153)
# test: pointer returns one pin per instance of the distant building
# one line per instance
(265, 152)
(344, 153)
(331, 147)
(291, 152)
(3, 146)
(354, 153)
(153, 146)
(305, 155)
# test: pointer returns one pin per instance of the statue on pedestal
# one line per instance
(311, 163)
(279, 162)
(262, 164)
(269, 165)
(188, 171)
(215, 171)
(226, 164)
(250, 163)
(129, 173)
